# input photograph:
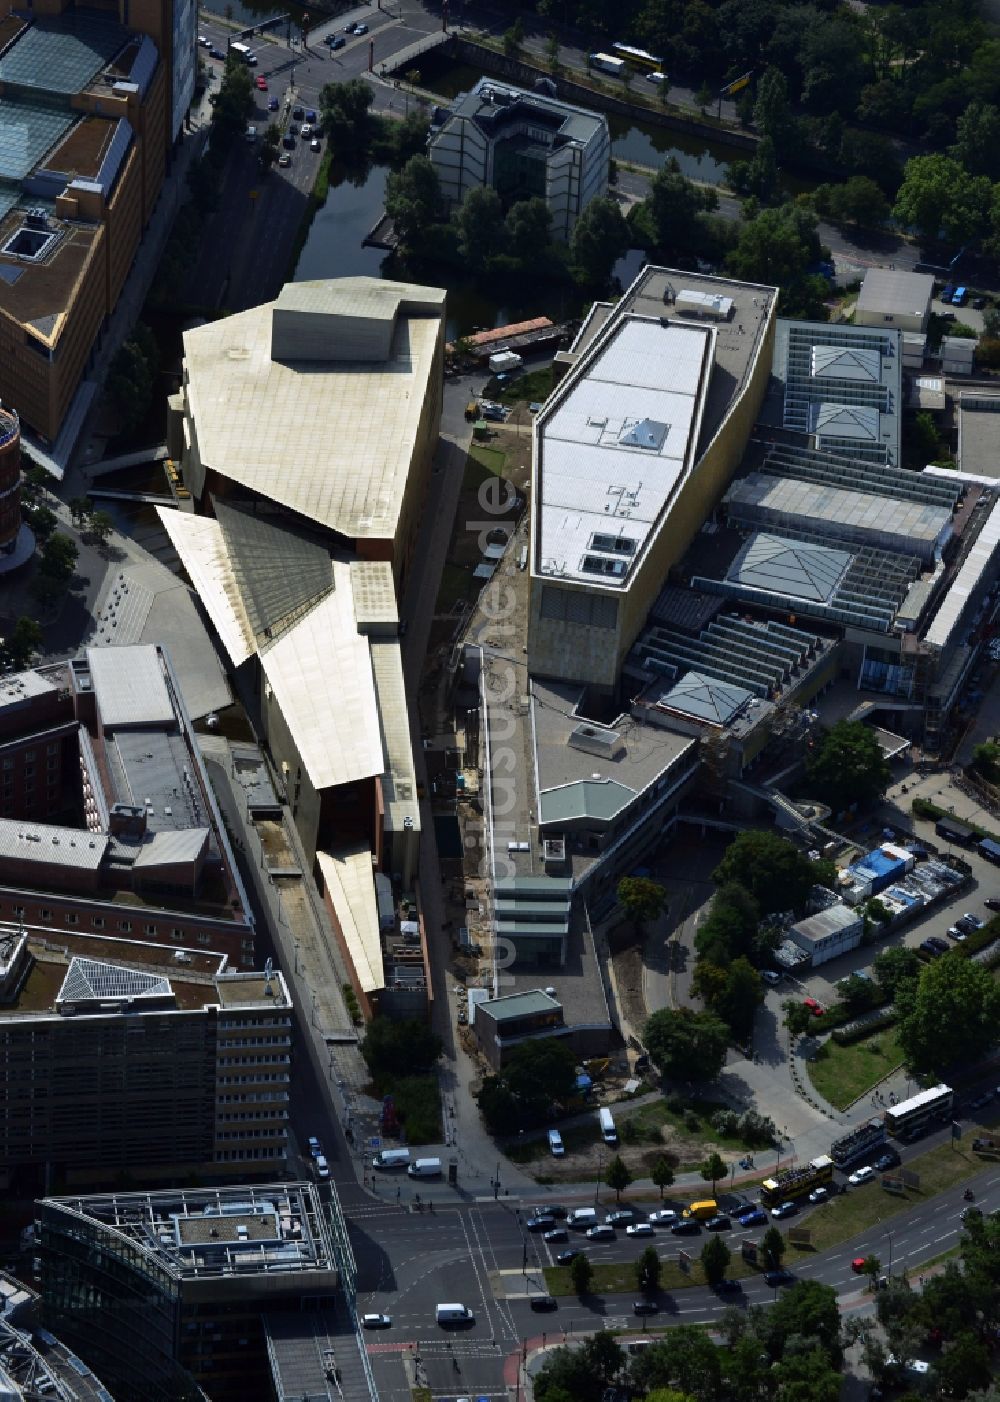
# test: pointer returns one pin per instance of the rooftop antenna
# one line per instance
(268, 975)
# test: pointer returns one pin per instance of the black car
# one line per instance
(299, 113)
(216, 53)
(979, 303)
(620, 1217)
(721, 1223)
(645, 1307)
(992, 903)
(548, 1209)
(336, 41)
(687, 1226)
(981, 1100)
(933, 947)
(543, 1303)
(543, 1222)
(727, 1287)
(890, 1159)
(776, 1278)
(563, 1258)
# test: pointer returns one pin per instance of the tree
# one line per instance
(581, 1273)
(777, 875)
(21, 644)
(798, 1018)
(977, 140)
(536, 1075)
(858, 201)
(952, 1013)
(713, 1169)
(79, 509)
(715, 1258)
(808, 1310)
(963, 1366)
(740, 997)
(641, 900)
(42, 521)
(685, 1045)
(858, 995)
(686, 1359)
(940, 199)
(233, 104)
(552, 53)
(34, 483)
(703, 97)
(101, 525)
(952, 1301)
(777, 246)
(499, 1106)
(847, 766)
(895, 966)
(268, 152)
(872, 1266)
(772, 113)
(413, 201)
(345, 112)
(479, 220)
(131, 377)
(674, 204)
(513, 38)
(600, 237)
(773, 1247)
(662, 1174)
(730, 929)
(759, 176)
(647, 1271)
(580, 1374)
(529, 231)
(986, 760)
(402, 1048)
(921, 440)
(617, 1176)
(58, 558)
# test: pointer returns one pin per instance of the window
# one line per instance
(612, 544)
(150, 929)
(52, 749)
(97, 922)
(46, 913)
(8, 764)
(125, 926)
(70, 919)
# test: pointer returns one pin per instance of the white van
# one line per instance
(582, 1217)
(608, 1132)
(392, 1158)
(425, 1168)
(556, 1146)
(322, 1167)
(454, 1314)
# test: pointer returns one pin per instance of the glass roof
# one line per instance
(62, 54)
(28, 128)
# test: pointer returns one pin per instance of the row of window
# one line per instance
(124, 927)
(258, 1078)
(234, 1155)
(275, 1117)
(273, 1131)
(29, 756)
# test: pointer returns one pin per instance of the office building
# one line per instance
(108, 824)
(170, 1296)
(138, 1059)
(632, 451)
(525, 145)
(893, 298)
(17, 541)
(34, 1364)
(85, 131)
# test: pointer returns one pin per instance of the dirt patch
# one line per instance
(628, 966)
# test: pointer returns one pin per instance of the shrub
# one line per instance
(726, 1123)
(692, 1121)
(862, 1026)
(756, 1130)
(676, 1103)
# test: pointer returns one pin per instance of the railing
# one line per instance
(10, 426)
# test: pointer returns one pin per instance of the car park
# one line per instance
(890, 1159)
(563, 1258)
(862, 1175)
(663, 1217)
(602, 1232)
(645, 1307)
(542, 1222)
(779, 1277)
(784, 1209)
(719, 1223)
(639, 1229)
(556, 1234)
(543, 1303)
(756, 1217)
(687, 1226)
(819, 1195)
(376, 1321)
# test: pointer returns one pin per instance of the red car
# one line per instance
(858, 1265)
(262, 82)
(815, 1008)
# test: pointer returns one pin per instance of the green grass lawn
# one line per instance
(841, 1074)
(456, 583)
(528, 389)
(483, 462)
(418, 1105)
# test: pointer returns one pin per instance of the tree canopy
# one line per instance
(580, 1373)
(686, 1045)
(640, 898)
(537, 1075)
(413, 202)
(774, 871)
(951, 1014)
(847, 766)
(402, 1048)
(600, 237)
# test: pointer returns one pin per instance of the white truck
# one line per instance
(503, 362)
(425, 1168)
(608, 1132)
(607, 63)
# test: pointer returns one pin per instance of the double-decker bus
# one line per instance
(796, 1182)
(912, 1117)
(638, 58)
(244, 52)
(849, 1147)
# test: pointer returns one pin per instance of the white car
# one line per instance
(771, 976)
(376, 1321)
(306, 129)
(819, 1194)
(322, 1167)
(639, 1229)
(656, 77)
(663, 1217)
(862, 1175)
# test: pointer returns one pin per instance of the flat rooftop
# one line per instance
(275, 1230)
(653, 380)
(890, 290)
(37, 294)
(496, 106)
(515, 1005)
(979, 434)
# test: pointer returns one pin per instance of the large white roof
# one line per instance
(614, 447)
(331, 439)
(130, 686)
(199, 543)
(320, 671)
(350, 886)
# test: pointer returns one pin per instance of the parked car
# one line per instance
(784, 1209)
(620, 1215)
(984, 1098)
(819, 1195)
(315, 1147)
(663, 1217)
(563, 1258)
(205, 43)
(261, 82)
(687, 1226)
(336, 41)
(284, 160)
(556, 1234)
(817, 1009)
(890, 1159)
(656, 77)
(542, 1303)
(361, 29)
(719, 1223)
(272, 104)
(217, 53)
(551, 1209)
(862, 1175)
(288, 141)
(756, 1217)
(960, 295)
(932, 946)
(645, 1307)
(955, 932)
(311, 115)
(376, 1321)
(317, 145)
(298, 113)
(992, 903)
(779, 1277)
(602, 1232)
(306, 130)
(542, 1222)
(639, 1229)
(771, 976)
(979, 303)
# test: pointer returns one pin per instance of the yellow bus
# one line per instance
(702, 1211)
(638, 58)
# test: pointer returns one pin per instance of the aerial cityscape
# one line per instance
(500, 701)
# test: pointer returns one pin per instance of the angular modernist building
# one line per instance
(173, 1296)
(525, 145)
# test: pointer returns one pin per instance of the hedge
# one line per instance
(862, 1026)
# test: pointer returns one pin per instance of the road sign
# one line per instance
(893, 1185)
(910, 1179)
(799, 1236)
(254, 194)
(375, 1143)
(956, 1130)
(684, 1261)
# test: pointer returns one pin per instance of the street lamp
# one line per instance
(888, 1233)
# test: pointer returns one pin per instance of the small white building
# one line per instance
(829, 933)
(958, 354)
(525, 145)
(889, 298)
